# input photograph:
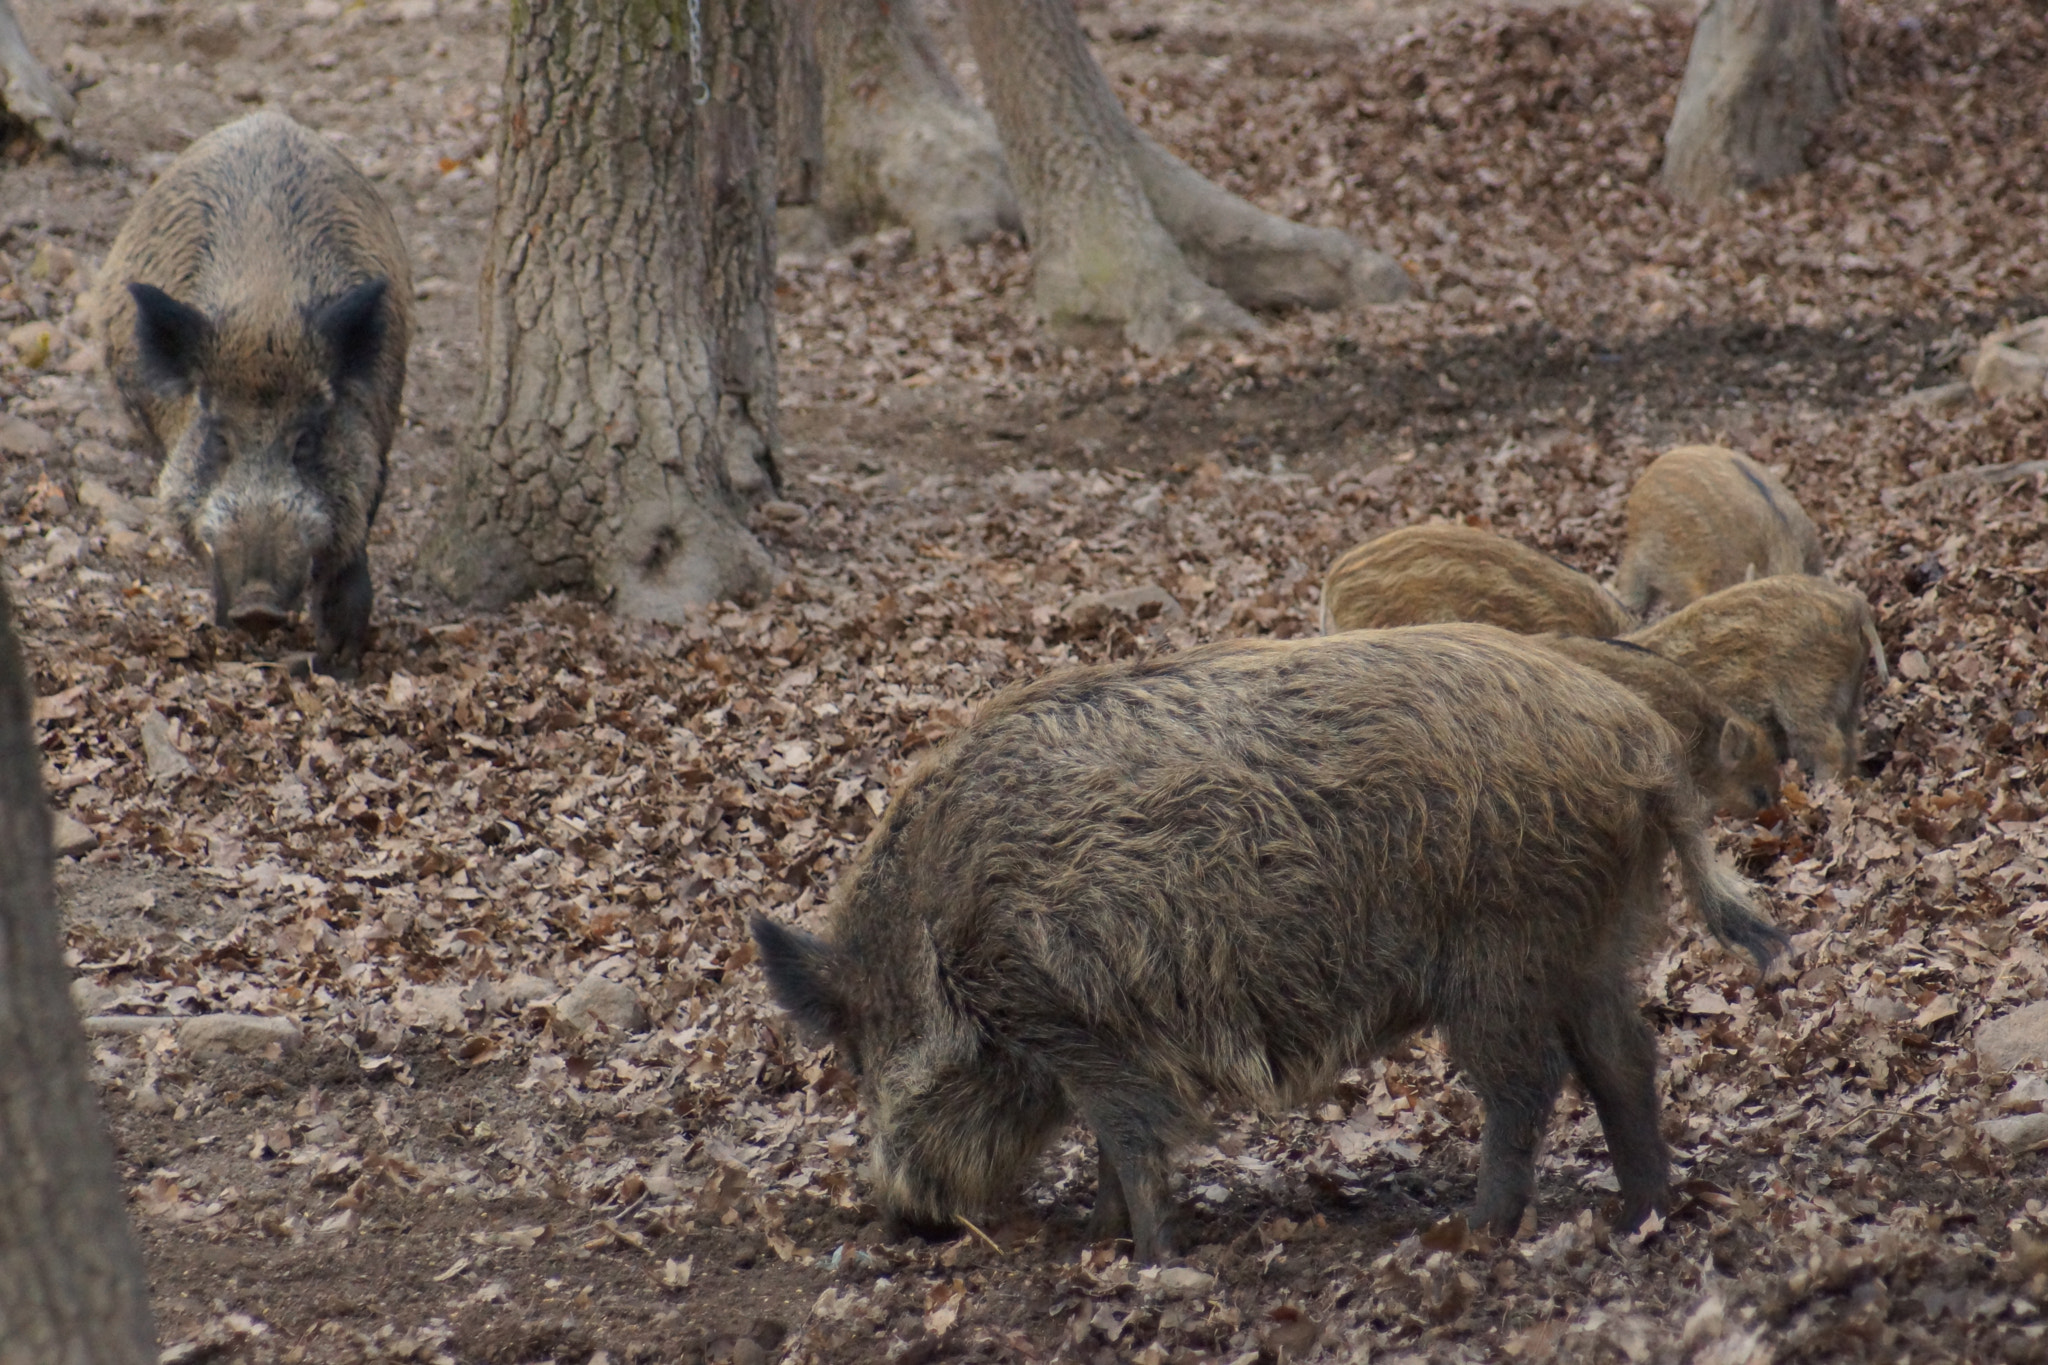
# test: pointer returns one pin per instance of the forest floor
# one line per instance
(453, 1163)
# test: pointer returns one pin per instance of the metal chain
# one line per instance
(700, 90)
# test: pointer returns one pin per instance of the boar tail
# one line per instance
(1723, 896)
(1884, 674)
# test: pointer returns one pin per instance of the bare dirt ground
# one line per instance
(454, 1164)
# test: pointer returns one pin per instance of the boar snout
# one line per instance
(262, 559)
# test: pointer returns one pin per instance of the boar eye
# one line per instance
(306, 448)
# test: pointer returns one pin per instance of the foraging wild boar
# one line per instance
(1239, 870)
(255, 311)
(1787, 652)
(1730, 757)
(1703, 518)
(1425, 575)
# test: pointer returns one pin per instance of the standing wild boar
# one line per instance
(255, 311)
(1239, 870)
(1787, 652)
(1703, 518)
(1425, 575)
(1730, 757)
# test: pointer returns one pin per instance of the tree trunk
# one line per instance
(800, 108)
(1761, 78)
(903, 143)
(71, 1282)
(629, 225)
(26, 92)
(1124, 235)
(741, 189)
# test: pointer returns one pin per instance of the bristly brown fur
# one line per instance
(1730, 757)
(1703, 518)
(1787, 652)
(1236, 871)
(1424, 575)
(276, 419)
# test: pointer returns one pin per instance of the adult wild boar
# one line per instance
(1423, 575)
(1731, 759)
(1787, 652)
(255, 312)
(1703, 518)
(1239, 870)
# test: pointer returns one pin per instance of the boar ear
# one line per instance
(1738, 742)
(353, 325)
(171, 338)
(804, 976)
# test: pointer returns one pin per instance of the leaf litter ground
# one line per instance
(421, 869)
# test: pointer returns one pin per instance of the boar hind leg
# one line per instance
(1615, 1056)
(1517, 1072)
(341, 616)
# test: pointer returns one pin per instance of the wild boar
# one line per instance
(1731, 759)
(1423, 575)
(1703, 518)
(1787, 652)
(1237, 871)
(255, 312)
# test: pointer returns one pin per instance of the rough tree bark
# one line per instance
(71, 1284)
(1122, 233)
(26, 92)
(902, 142)
(1761, 78)
(626, 295)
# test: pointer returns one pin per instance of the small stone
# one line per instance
(1943, 400)
(439, 1007)
(517, 991)
(1091, 612)
(114, 1025)
(2012, 1040)
(19, 436)
(599, 1000)
(90, 997)
(211, 1035)
(2008, 372)
(1185, 1282)
(114, 509)
(2021, 1132)
(33, 341)
(72, 838)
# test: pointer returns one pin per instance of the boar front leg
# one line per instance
(1134, 1131)
(1518, 1070)
(341, 616)
(1615, 1056)
(1111, 1218)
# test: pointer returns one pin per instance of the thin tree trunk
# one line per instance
(72, 1290)
(598, 458)
(1761, 78)
(26, 91)
(903, 143)
(799, 108)
(1124, 235)
(741, 189)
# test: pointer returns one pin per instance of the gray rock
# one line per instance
(210, 1035)
(102, 1025)
(1091, 612)
(72, 838)
(1943, 400)
(599, 1000)
(2007, 372)
(2012, 1040)
(2021, 1132)
(19, 436)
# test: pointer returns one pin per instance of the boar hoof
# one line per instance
(299, 665)
(898, 1227)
